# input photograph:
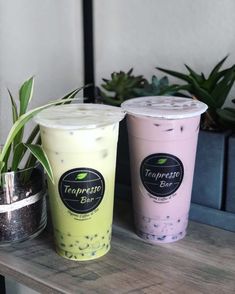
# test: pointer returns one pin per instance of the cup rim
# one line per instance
(164, 107)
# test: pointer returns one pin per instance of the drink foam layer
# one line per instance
(165, 107)
(79, 116)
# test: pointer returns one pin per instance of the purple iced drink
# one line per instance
(163, 134)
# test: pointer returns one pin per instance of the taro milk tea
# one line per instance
(80, 141)
(163, 133)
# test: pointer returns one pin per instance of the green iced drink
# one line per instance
(80, 141)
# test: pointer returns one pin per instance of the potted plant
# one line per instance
(22, 187)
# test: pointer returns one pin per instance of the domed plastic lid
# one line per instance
(166, 107)
(79, 116)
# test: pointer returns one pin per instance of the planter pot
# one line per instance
(230, 183)
(209, 175)
(22, 205)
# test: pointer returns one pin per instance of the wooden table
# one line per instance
(203, 262)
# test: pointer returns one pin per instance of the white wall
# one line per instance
(41, 38)
(168, 33)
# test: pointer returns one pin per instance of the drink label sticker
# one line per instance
(81, 189)
(161, 174)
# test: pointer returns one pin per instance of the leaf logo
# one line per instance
(162, 161)
(81, 176)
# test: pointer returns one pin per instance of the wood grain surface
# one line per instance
(203, 262)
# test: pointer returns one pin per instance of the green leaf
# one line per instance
(20, 149)
(162, 161)
(31, 161)
(194, 75)
(4, 168)
(19, 124)
(2, 164)
(73, 93)
(41, 156)
(202, 94)
(220, 92)
(81, 176)
(19, 137)
(33, 135)
(26, 94)
(18, 155)
(217, 68)
(211, 82)
(13, 107)
(175, 74)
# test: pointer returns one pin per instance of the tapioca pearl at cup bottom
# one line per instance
(161, 238)
(84, 255)
(93, 242)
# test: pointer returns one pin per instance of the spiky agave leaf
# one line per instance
(213, 90)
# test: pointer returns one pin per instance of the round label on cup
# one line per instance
(81, 189)
(161, 174)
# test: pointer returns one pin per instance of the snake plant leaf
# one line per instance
(20, 149)
(31, 161)
(41, 156)
(33, 134)
(26, 94)
(4, 168)
(22, 120)
(13, 107)
(18, 155)
(2, 164)
(72, 94)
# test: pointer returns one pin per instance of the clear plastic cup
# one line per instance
(163, 133)
(80, 141)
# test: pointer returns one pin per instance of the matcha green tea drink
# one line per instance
(80, 141)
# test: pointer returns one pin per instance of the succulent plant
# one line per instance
(213, 91)
(124, 85)
(157, 87)
(120, 87)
